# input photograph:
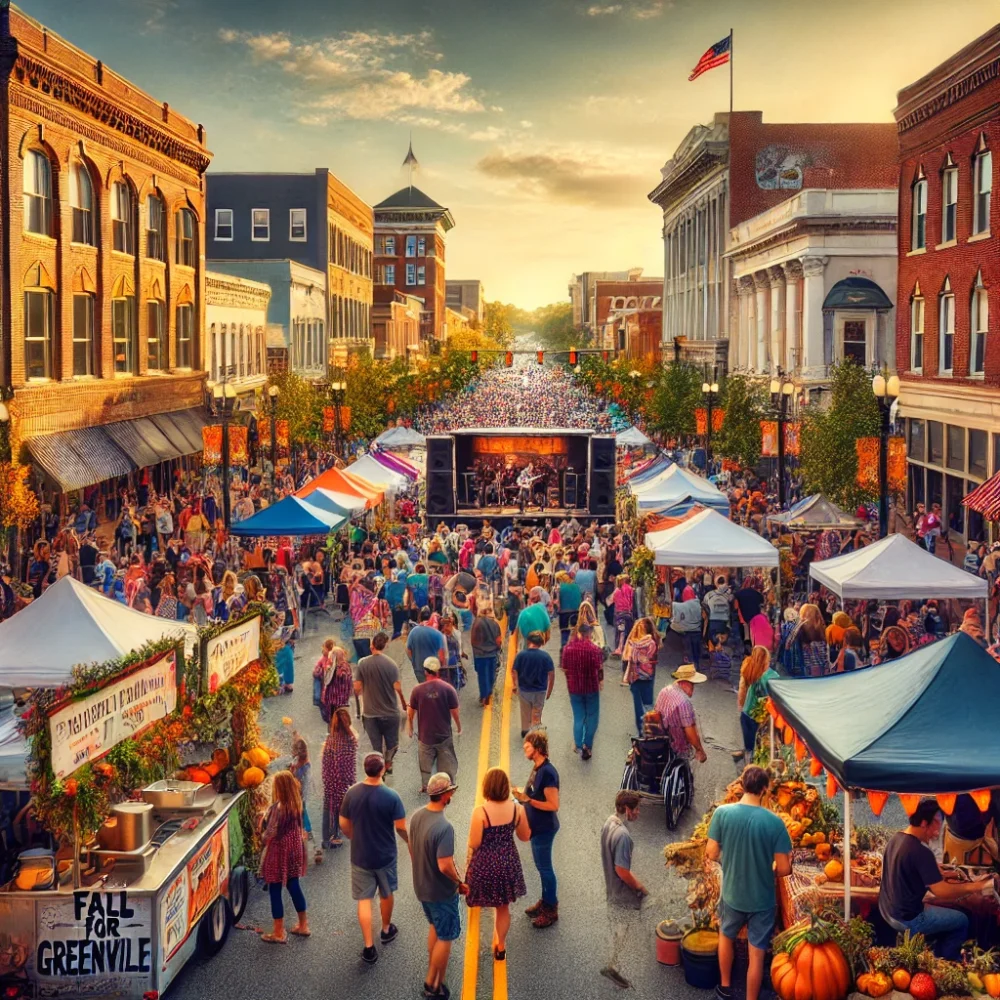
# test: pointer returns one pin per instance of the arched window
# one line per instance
(39, 323)
(122, 222)
(917, 330)
(949, 200)
(37, 187)
(918, 213)
(982, 176)
(187, 245)
(978, 327)
(946, 329)
(81, 196)
(156, 228)
(184, 319)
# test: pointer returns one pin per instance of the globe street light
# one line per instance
(886, 390)
(273, 392)
(781, 393)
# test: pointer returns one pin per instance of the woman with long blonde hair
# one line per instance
(810, 653)
(755, 675)
(284, 855)
(639, 657)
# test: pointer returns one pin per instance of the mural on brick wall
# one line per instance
(781, 167)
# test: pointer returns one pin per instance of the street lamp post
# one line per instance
(337, 390)
(225, 398)
(886, 390)
(710, 391)
(781, 393)
(273, 392)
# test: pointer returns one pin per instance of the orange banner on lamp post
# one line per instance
(211, 444)
(701, 421)
(239, 451)
(867, 449)
(264, 432)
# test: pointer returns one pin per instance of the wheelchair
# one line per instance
(654, 771)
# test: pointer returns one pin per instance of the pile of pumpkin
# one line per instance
(809, 964)
(252, 767)
(206, 772)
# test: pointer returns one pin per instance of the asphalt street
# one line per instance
(563, 961)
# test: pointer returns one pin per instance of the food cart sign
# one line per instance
(229, 652)
(84, 730)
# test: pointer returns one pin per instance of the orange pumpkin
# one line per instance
(220, 757)
(211, 768)
(811, 972)
(258, 757)
(823, 852)
(834, 871)
(901, 980)
(251, 777)
(863, 982)
(879, 984)
(199, 774)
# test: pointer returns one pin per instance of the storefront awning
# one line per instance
(79, 458)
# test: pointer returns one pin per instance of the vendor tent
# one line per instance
(291, 516)
(374, 472)
(338, 483)
(650, 469)
(396, 463)
(816, 513)
(370, 491)
(893, 569)
(675, 487)
(72, 623)
(632, 438)
(925, 723)
(709, 539)
(401, 437)
(13, 753)
(334, 503)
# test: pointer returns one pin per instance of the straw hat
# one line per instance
(689, 672)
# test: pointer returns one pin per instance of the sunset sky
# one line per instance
(541, 124)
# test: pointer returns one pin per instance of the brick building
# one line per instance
(102, 265)
(461, 295)
(410, 231)
(396, 323)
(727, 172)
(949, 278)
(628, 316)
(582, 290)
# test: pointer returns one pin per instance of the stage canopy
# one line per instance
(71, 624)
(676, 486)
(895, 568)
(400, 437)
(341, 486)
(291, 516)
(632, 438)
(709, 539)
(922, 724)
(816, 513)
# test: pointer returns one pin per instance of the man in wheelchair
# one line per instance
(676, 712)
(650, 754)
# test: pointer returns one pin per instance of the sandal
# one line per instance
(499, 954)
(299, 933)
(273, 939)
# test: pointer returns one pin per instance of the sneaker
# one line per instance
(390, 934)
(724, 993)
(586, 754)
(616, 977)
(369, 955)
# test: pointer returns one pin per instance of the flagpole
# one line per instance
(732, 56)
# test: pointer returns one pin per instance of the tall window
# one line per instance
(411, 246)
(917, 331)
(421, 276)
(856, 341)
(422, 247)
(123, 333)
(224, 224)
(390, 274)
(187, 247)
(156, 228)
(39, 315)
(978, 328)
(390, 246)
(982, 169)
(918, 235)
(81, 196)
(37, 193)
(122, 226)
(297, 225)
(411, 274)
(946, 330)
(185, 336)
(157, 346)
(949, 202)
(83, 335)
(260, 225)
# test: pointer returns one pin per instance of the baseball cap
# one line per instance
(432, 663)
(689, 672)
(440, 783)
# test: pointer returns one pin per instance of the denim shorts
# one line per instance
(759, 925)
(445, 918)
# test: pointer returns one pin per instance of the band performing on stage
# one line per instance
(501, 482)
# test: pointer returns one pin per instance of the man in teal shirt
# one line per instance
(753, 846)
(534, 618)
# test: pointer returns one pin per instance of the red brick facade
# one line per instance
(637, 304)
(58, 102)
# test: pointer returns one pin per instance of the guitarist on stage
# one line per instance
(524, 481)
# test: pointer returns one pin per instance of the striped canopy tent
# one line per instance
(341, 485)
(371, 491)
(985, 499)
(396, 463)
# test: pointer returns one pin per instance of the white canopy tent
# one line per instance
(348, 501)
(632, 438)
(895, 568)
(677, 484)
(401, 437)
(709, 539)
(72, 624)
(13, 754)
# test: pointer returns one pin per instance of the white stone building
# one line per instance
(236, 331)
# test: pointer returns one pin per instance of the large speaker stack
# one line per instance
(440, 500)
(602, 476)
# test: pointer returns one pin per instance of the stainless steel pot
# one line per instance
(135, 825)
(179, 795)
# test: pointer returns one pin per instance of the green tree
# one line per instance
(553, 326)
(676, 395)
(300, 403)
(829, 458)
(743, 397)
(497, 324)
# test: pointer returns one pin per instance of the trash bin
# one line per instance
(668, 942)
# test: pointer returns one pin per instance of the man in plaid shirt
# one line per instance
(583, 663)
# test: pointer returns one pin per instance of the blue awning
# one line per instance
(291, 516)
(923, 724)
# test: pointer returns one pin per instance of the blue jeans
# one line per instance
(541, 852)
(277, 906)
(749, 728)
(951, 927)
(486, 672)
(692, 642)
(586, 711)
(642, 696)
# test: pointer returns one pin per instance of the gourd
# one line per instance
(834, 871)
(251, 777)
(199, 774)
(258, 757)
(811, 972)
(823, 852)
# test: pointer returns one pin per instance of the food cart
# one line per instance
(144, 867)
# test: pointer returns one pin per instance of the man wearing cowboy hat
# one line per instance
(673, 704)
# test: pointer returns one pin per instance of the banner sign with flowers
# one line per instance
(227, 653)
(239, 451)
(868, 451)
(769, 438)
(264, 432)
(211, 443)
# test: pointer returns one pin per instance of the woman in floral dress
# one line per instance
(340, 771)
(494, 875)
(284, 856)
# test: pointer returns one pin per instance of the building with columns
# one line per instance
(815, 283)
(726, 173)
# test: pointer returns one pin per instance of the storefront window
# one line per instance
(935, 440)
(916, 446)
(977, 529)
(935, 484)
(956, 448)
(955, 511)
(916, 483)
(977, 453)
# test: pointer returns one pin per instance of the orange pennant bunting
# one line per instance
(947, 802)
(982, 798)
(815, 767)
(787, 734)
(800, 749)
(831, 785)
(909, 803)
(771, 710)
(877, 801)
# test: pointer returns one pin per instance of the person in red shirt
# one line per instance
(583, 665)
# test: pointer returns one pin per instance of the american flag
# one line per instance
(717, 55)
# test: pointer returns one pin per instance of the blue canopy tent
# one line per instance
(925, 723)
(326, 500)
(291, 516)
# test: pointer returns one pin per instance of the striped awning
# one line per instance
(985, 499)
(79, 458)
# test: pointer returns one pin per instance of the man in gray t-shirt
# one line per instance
(625, 892)
(436, 882)
(376, 680)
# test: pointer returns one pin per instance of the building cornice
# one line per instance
(811, 226)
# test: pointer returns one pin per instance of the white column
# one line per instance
(793, 335)
(761, 285)
(777, 340)
(813, 293)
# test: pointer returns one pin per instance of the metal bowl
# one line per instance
(172, 794)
